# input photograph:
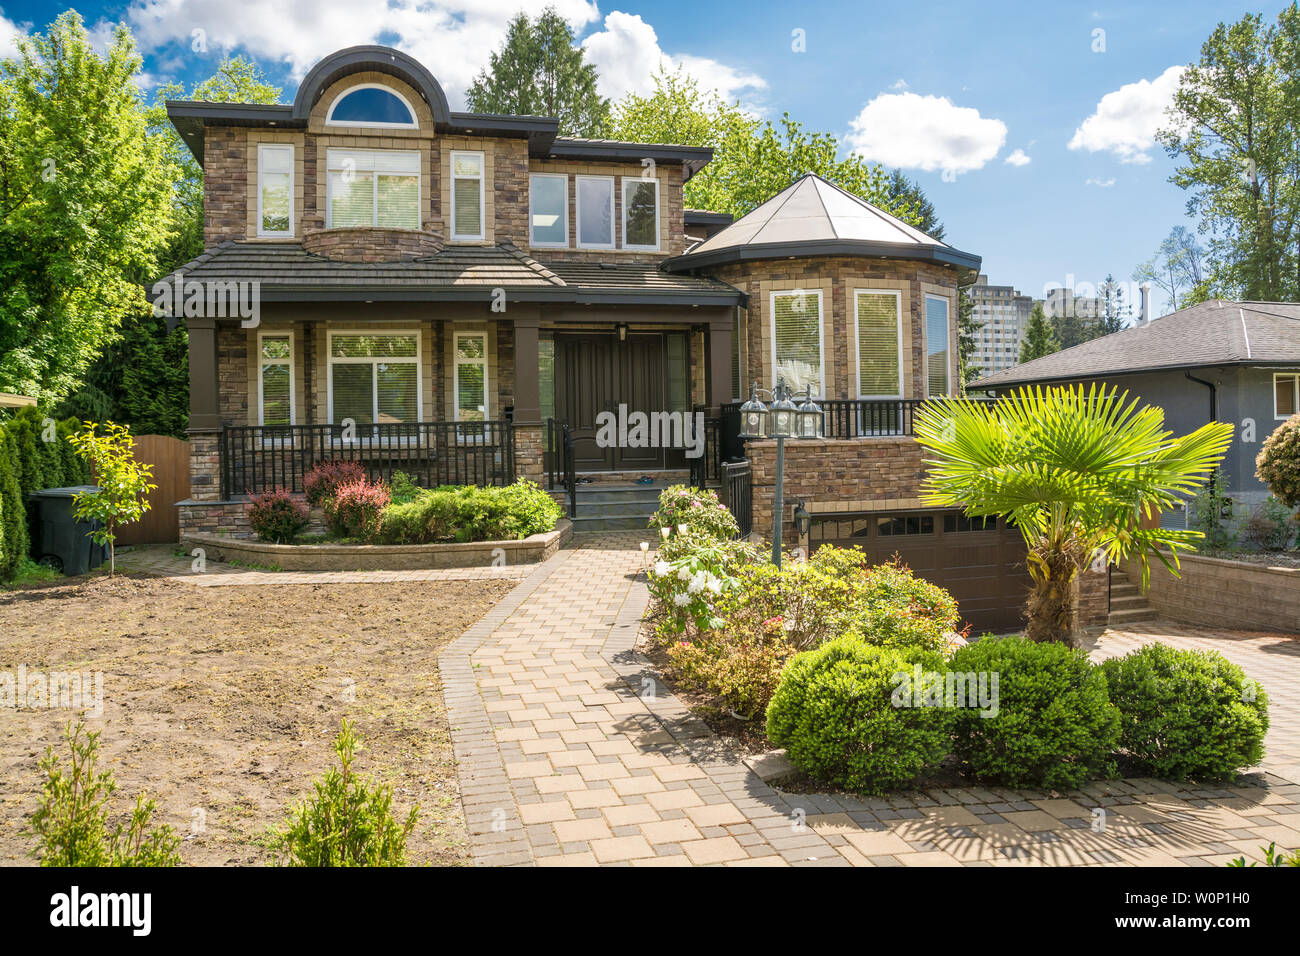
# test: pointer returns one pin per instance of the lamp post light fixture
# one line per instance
(781, 420)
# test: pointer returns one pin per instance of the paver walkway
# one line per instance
(568, 756)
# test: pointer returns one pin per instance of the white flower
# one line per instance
(663, 568)
(684, 573)
(681, 600)
(665, 532)
(714, 584)
(698, 581)
(645, 546)
(681, 529)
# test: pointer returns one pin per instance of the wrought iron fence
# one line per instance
(738, 488)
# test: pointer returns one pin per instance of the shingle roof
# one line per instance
(287, 272)
(815, 217)
(1209, 333)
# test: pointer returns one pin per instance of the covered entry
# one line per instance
(981, 562)
(599, 371)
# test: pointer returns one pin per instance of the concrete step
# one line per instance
(615, 508)
(1127, 602)
(1123, 589)
(583, 523)
(1121, 617)
(596, 494)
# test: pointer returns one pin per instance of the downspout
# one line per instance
(1214, 394)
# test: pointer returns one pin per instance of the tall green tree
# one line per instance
(84, 204)
(905, 193)
(1115, 311)
(539, 72)
(1232, 128)
(966, 329)
(1040, 338)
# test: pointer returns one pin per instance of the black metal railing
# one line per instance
(738, 492)
(257, 458)
(845, 418)
(706, 468)
(560, 465)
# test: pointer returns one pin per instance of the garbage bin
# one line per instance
(59, 540)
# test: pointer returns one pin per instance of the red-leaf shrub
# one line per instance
(323, 481)
(356, 509)
(277, 516)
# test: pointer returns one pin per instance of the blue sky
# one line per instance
(950, 91)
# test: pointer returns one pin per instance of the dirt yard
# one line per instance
(223, 702)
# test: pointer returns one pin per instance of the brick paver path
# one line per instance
(163, 561)
(567, 757)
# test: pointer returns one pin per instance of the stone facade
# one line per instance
(1091, 594)
(530, 444)
(1229, 594)
(214, 517)
(371, 245)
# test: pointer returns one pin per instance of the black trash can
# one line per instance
(58, 539)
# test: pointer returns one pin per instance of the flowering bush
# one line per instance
(277, 516)
(356, 508)
(1278, 464)
(324, 480)
(697, 509)
(742, 667)
(691, 572)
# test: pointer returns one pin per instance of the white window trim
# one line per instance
(331, 361)
(947, 347)
(564, 214)
(577, 198)
(457, 236)
(821, 338)
(898, 320)
(262, 362)
(456, 363)
(374, 190)
(635, 180)
(262, 148)
(1295, 392)
(329, 114)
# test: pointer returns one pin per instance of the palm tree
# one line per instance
(1075, 471)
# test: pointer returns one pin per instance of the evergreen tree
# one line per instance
(1040, 339)
(1114, 310)
(539, 72)
(905, 192)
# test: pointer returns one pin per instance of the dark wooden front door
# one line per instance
(597, 372)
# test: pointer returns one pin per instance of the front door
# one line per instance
(597, 372)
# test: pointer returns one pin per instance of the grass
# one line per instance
(29, 573)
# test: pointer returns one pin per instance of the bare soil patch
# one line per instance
(223, 702)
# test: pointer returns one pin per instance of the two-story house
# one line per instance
(447, 293)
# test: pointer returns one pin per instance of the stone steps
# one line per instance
(1128, 605)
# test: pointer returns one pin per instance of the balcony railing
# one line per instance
(257, 458)
(851, 418)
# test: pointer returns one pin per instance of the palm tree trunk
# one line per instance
(1051, 600)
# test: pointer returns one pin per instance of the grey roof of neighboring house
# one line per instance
(813, 217)
(288, 273)
(1206, 334)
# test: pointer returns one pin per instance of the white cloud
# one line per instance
(627, 54)
(898, 84)
(1102, 183)
(451, 37)
(925, 132)
(9, 33)
(1125, 121)
(1018, 158)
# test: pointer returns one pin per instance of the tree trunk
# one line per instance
(1051, 602)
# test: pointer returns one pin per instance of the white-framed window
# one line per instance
(1286, 395)
(938, 371)
(548, 209)
(374, 377)
(275, 404)
(595, 211)
(275, 189)
(372, 187)
(796, 326)
(470, 376)
(371, 104)
(640, 213)
(878, 332)
(467, 196)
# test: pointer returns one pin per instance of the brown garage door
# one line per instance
(980, 562)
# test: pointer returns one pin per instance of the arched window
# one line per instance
(371, 105)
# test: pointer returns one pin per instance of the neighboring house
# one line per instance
(449, 294)
(1235, 362)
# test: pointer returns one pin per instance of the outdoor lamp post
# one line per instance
(783, 419)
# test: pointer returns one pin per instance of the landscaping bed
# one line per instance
(222, 703)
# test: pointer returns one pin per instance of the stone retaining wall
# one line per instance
(1233, 594)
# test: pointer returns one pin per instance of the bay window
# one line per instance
(937, 361)
(374, 378)
(372, 187)
(797, 340)
(878, 320)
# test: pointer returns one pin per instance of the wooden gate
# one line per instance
(170, 458)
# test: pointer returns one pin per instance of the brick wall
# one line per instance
(372, 245)
(232, 374)
(1091, 594)
(225, 184)
(1232, 594)
(530, 443)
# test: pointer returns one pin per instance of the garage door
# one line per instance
(980, 562)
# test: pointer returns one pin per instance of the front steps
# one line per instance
(1127, 605)
(606, 506)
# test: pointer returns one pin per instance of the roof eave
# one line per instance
(982, 384)
(945, 255)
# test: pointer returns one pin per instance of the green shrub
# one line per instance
(1186, 713)
(13, 513)
(469, 513)
(1269, 526)
(741, 666)
(837, 713)
(72, 470)
(1278, 462)
(71, 821)
(691, 573)
(1054, 727)
(323, 480)
(698, 509)
(349, 822)
(1272, 857)
(277, 516)
(402, 489)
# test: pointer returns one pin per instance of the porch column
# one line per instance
(529, 441)
(719, 381)
(205, 418)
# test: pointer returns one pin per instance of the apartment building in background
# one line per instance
(1002, 314)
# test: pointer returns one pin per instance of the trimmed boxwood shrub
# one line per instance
(323, 481)
(1278, 462)
(470, 513)
(1186, 713)
(277, 516)
(834, 712)
(1055, 726)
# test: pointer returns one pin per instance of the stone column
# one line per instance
(205, 418)
(528, 425)
(719, 381)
